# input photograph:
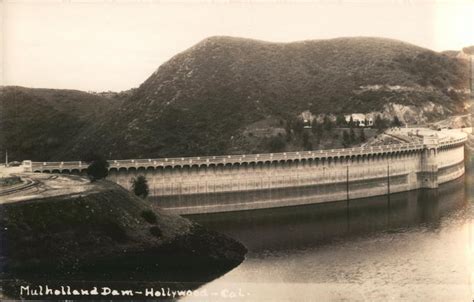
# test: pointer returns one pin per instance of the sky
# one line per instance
(115, 45)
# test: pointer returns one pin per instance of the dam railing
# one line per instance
(245, 158)
(231, 159)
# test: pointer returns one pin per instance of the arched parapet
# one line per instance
(296, 163)
(235, 167)
(141, 170)
(303, 163)
(352, 159)
(220, 168)
(330, 160)
(266, 165)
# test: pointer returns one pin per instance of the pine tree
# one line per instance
(327, 123)
(362, 137)
(140, 186)
(352, 136)
(341, 121)
(346, 140)
(396, 122)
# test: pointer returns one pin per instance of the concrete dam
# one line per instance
(194, 185)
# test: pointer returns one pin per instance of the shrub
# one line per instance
(149, 216)
(98, 167)
(155, 231)
(115, 231)
(140, 186)
(276, 144)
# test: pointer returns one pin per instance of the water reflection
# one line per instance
(302, 226)
(412, 246)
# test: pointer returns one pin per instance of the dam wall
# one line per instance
(244, 182)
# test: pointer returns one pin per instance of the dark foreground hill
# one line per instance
(202, 100)
(106, 234)
(34, 123)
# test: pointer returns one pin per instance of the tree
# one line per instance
(298, 126)
(346, 140)
(317, 131)
(380, 123)
(307, 145)
(362, 137)
(352, 136)
(140, 186)
(276, 144)
(396, 122)
(340, 120)
(327, 123)
(288, 131)
(98, 167)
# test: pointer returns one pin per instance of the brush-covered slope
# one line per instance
(34, 123)
(105, 231)
(201, 99)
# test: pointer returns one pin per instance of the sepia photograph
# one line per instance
(236, 150)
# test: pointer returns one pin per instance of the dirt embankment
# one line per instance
(108, 232)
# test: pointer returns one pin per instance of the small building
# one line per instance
(359, 119)
(307, 118)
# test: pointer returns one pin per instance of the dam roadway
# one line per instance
(192, 185)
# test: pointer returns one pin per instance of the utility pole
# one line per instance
(347, 182)
(471, 75)
(388, 179)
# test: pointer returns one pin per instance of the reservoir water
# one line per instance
(413, 246)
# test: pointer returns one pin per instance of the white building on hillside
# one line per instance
(360, 119)
(307, 118)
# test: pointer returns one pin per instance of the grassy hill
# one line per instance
(34, 123)
(204, 100)
(201, 100)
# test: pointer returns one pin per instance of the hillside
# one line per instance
(34, 123)
(206, 99)
(104, 233)
(201, 101)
